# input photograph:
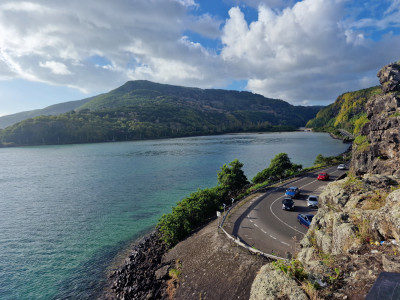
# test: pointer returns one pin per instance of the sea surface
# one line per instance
(66, 211)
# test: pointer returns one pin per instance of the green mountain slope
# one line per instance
(347, 112)
(143, 110)
(55, 109)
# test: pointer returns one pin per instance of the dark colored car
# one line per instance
(292, 192)
(304, 220)
(323, 176)
(288, 203)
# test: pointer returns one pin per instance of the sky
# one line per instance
(304, 52)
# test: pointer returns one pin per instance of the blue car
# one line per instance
(305, 220)
(292, 192)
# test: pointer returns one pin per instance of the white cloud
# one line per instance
(309, 51)
(55, 67)
(62, 36)
(301, 52)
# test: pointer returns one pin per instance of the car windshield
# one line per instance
(312, 198)
(309, 218)
(287, 201)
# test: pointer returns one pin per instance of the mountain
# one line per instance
(347, 112)
(143, 109)
(55, 109)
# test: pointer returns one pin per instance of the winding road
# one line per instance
(261, 223)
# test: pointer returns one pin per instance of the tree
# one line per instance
(232, 176)
(280, 167)
(279, 164)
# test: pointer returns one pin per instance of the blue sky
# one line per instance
(304, 52)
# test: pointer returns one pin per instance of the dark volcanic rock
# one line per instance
(380, 151)
(143, 275)
(389, 77)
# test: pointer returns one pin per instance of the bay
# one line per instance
(66, 211)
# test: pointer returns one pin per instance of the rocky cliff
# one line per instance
(356, 233)
(377, 149)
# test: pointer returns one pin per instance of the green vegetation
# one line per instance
(362, 143)
(280, 167)
(194, 210)
(146, 110)
(395, 115)
(321, 161)
(232, 176)
(293, 268)
(347, 112)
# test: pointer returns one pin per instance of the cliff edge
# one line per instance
(356, 233)
(377, 149)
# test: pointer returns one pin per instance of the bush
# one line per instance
(280, 167)
(191, 212)
(232, 176)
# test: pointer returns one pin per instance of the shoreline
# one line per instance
(123, 258)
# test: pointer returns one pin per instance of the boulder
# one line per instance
(271, 284)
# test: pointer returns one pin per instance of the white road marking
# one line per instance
(248, 216)
(270, 207)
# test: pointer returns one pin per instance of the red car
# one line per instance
(323, 176)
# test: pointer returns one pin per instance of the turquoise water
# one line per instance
(65, 211)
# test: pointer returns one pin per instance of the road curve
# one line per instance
(261, 223)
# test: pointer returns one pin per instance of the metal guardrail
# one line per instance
(236, 240)
(241, 244)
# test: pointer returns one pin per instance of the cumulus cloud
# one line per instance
(138, 38)
(55, 67)
(307, 52)
(299, 51)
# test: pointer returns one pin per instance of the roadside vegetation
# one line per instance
(200, 206)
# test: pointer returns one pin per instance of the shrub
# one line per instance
(189, 213)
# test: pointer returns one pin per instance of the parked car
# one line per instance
(305, 220)
(312, 201)
(288, 203)
(292, 192)
(342, 167)
(323, 176)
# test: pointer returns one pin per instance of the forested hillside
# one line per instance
(51, 110)
(347, 112)
(143, 110)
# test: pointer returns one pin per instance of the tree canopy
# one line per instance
(232, 176)
(280, 167)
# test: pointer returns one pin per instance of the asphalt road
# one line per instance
(263, 224)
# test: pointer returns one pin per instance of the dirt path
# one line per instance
(212, 267)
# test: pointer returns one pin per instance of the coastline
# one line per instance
(119, 273)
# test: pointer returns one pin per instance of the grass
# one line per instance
(363, 229)
(173, 282)
(375, 201)
(362, 143)
(293, 268)
(395, 115)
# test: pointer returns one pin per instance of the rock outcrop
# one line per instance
(271, 284)
(356, 233)
(144, 275)
(377, 149)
